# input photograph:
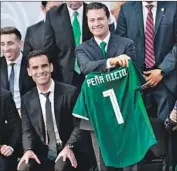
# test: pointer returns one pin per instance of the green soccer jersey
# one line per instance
(112, 102)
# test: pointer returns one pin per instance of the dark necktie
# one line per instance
(11, 78)
(77, 36)
(149, 39)
(102, 47)
(52, 151)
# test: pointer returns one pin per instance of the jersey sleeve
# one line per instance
(80, 110)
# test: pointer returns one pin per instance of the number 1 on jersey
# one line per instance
(115, 105)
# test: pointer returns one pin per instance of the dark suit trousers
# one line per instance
(78, 79)
(159, 101)
(174, 148)
(100, 163)
(46, 165)
(3, 163)
(7, 163)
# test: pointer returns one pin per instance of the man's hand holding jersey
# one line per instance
(121, 60)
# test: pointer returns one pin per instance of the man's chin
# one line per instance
(42, 83)
(9, 58)
(97, 34)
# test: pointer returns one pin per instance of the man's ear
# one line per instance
(111, 19)
(43, 9)
(21, 44)
(29, 72)
(51, 67)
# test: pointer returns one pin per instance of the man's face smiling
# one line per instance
(40, 70)
(10, 46)
(98, 23)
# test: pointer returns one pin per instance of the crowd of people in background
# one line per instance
(41, 83)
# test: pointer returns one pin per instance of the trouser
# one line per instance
(46, 165)
(100, 163)
(7, 163)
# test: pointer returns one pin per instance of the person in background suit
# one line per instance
(153, 27)
(65, 28)
(173, 118)
(13, 71)
(10, 124)
(103, 51)
(155, 52)
(173, 115)
(171, 126)
(34, 33)
(60, 39)
(48, 136)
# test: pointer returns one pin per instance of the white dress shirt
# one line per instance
(17, 67)
(79, 17)
(106, 40)
(145, 12)
(43, 99)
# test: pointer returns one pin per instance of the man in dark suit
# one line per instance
(162, 47)
(60, 39)
(171, 126)
(153, 28)
(47, 124)
(13, 71)
(10, 124)
(34, 33)
(173, 118)
(103, 51)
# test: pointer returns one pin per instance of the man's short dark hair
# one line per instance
(97, 5)
(44, 3)
(36, 53)
(11, 30)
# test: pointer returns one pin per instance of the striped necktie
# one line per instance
(149, 39)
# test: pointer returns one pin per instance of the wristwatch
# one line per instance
(163, 73)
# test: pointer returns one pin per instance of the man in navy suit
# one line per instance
(153, 28)
(161, 77)
(103, 51)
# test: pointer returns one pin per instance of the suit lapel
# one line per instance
(112, 46)
(159, 14)
(22, 73)
(57, 103)
(97, 50)
(66, 23)
(4, 74)
(41, 33)
(139, 16)
(36, 115)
